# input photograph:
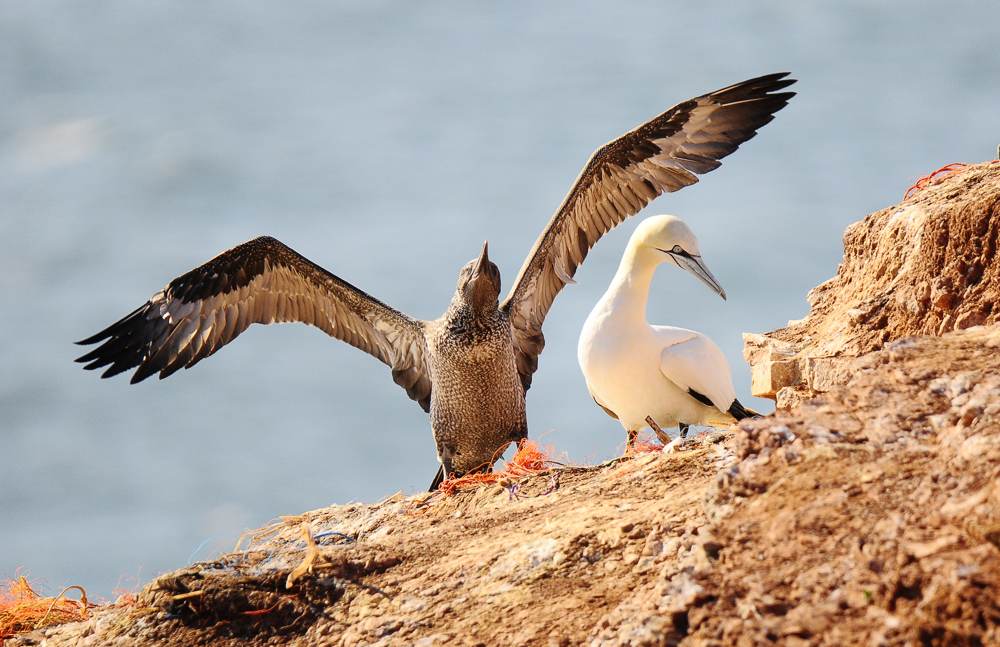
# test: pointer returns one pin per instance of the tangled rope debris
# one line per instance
(942, 174)
(530, 459)
(23, 609)
(311, 552)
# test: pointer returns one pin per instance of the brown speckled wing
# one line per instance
(622, 177)
(261, 281)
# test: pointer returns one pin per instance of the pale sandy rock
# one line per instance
(925, 267)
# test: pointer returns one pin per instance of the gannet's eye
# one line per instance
(677, 249)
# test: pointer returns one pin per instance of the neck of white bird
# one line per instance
(629, 290)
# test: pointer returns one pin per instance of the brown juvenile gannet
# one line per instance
(648, 376)
(470, 368)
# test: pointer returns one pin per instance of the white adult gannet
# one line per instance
(640, 373)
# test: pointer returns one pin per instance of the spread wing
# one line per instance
(261, 281)
(698, 365)
(622, 177)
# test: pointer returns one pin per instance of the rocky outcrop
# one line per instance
(868, 515)
(864, 511)
(924, 267)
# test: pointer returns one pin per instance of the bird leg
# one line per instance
(662, 435)
(683, 429)
(445, 473)
(632, 435)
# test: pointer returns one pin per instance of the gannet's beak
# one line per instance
(696, 266)
(482, 287)
(484, 258)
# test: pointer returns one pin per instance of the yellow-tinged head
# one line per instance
(670, 239)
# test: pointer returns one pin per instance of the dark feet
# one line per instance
(438, 480)
(683, 429)
(444, 472)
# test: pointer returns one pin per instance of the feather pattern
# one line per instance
(685, 364)
(661, 156)
(261, 281)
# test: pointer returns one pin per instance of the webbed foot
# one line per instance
(671, 447)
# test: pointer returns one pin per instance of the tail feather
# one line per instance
(740, 412)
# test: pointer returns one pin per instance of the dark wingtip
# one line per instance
(776, 80)
(112, 371)
(141, 373)
(94, 354)
(767, 83)
(768, 86)
(113, 328)
(93, 339)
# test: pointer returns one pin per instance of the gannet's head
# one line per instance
(672, 240)
(479, 282)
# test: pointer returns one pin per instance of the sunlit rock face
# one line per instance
(924, 267)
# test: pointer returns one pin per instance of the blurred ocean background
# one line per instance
(386, 141)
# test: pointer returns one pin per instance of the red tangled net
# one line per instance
(530, 459)
(941, 174)
(22, 609)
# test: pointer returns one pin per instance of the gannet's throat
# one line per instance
(629, 289)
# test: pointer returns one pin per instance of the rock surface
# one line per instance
(869, 515)
(924, 267)
(866, 513)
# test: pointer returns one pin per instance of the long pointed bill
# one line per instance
(695, 265)
(484, 258)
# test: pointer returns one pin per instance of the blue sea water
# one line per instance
(386, 141)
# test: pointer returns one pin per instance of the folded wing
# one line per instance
(622, 177)
(698, 365)
(261, 281)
